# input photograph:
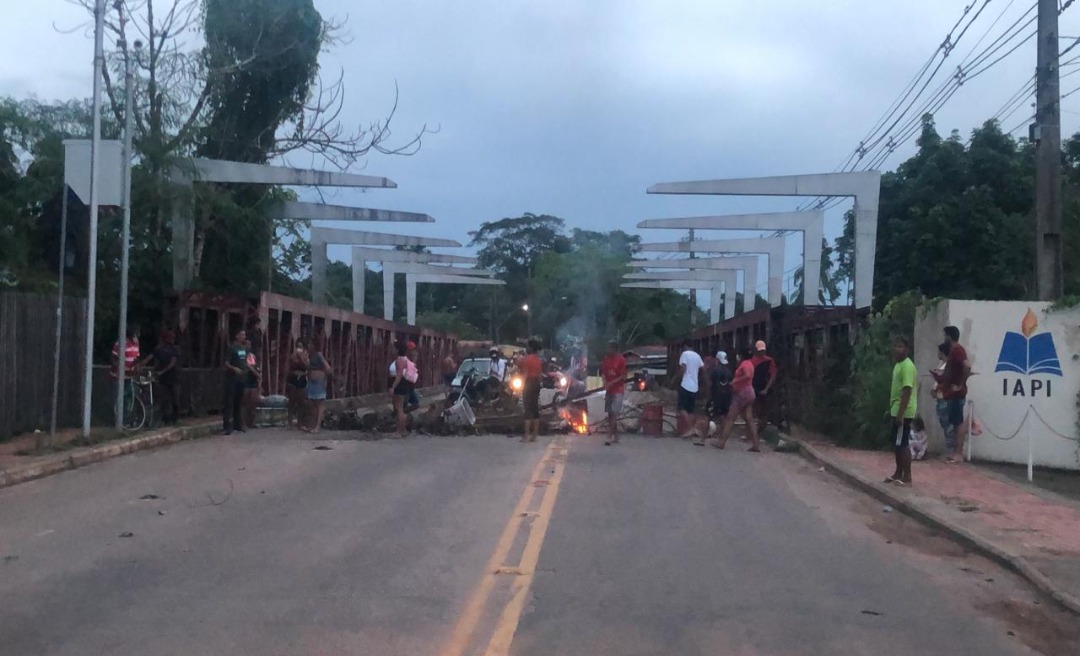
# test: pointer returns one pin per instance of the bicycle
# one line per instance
(139, 402)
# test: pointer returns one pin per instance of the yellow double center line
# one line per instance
(524, 571)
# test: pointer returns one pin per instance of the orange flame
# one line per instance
(583, 427)
(1029, 324)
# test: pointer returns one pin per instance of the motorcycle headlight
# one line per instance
(562, 381)
(517, 384)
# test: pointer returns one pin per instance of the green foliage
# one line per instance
(512, 246)
(955, 219)
(1068, 302)
(264, 55)
(449, 322)
(871, 370)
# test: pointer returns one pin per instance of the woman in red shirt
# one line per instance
(742, 402)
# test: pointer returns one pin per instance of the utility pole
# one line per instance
(693, 292)
(125, 233)
(1048, 266)
(95, 176)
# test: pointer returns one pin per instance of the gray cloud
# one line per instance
(573, 108)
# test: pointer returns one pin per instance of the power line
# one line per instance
(945, 48)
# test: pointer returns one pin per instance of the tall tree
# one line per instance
(954, 219)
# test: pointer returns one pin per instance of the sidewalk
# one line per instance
(1033, 532)
(16, 468)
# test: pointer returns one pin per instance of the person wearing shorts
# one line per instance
(531, 368)
(690, 367)
(720, 389)
(403, 385)
(742, 403)
(903, 407)
(318, 371)
(613, 371)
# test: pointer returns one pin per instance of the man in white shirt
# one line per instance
(690, 367)
(489, 387)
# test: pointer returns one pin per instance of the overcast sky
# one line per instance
(573, 108)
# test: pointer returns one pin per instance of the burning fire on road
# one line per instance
(577, 418)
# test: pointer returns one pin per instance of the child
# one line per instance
(918, 439)
(942, 405)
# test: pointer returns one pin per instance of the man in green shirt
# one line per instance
(902, 409)
(236, 370)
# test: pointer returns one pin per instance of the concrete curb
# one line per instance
(90, 455)
(960, 534)
(114, 449)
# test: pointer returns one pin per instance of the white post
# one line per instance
(967, 438)
(95, 148)
(1031, 447)
(59, 312)
(125, 234)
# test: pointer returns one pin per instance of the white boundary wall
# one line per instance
(1034, 410)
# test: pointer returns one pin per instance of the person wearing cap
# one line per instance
(613, 370)
(720, 388)
(764, 379)
(742, 402)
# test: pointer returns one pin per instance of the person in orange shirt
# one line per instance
(613, 370)
(531, 368)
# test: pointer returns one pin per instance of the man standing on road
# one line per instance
(954, 388)
(764, 379)
(530, 368)
(690, 367)
(902, 408)
(613, 370)
(166, 359)
(236, 370)
(720, 389)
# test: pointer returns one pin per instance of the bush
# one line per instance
(871, 371)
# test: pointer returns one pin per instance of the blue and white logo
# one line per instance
(1028, 354)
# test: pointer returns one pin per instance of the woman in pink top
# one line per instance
(405, 376)
(742, 403)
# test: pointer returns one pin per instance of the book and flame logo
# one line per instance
(1028, 354)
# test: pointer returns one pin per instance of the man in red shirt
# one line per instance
(764, 379)
(954, 387)
(131, 365)
(613, 370)
(530, 368)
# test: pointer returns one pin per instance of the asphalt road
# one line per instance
(262, 545)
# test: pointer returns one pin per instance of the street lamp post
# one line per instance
(528, 321)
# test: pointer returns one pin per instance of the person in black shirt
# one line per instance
(720, 388)
(166, 359)
(236, 370)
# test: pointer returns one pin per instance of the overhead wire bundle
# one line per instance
(902, 120)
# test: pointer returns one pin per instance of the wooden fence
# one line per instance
(359, 347)
(27, 339)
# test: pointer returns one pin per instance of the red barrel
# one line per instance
(652, 419)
